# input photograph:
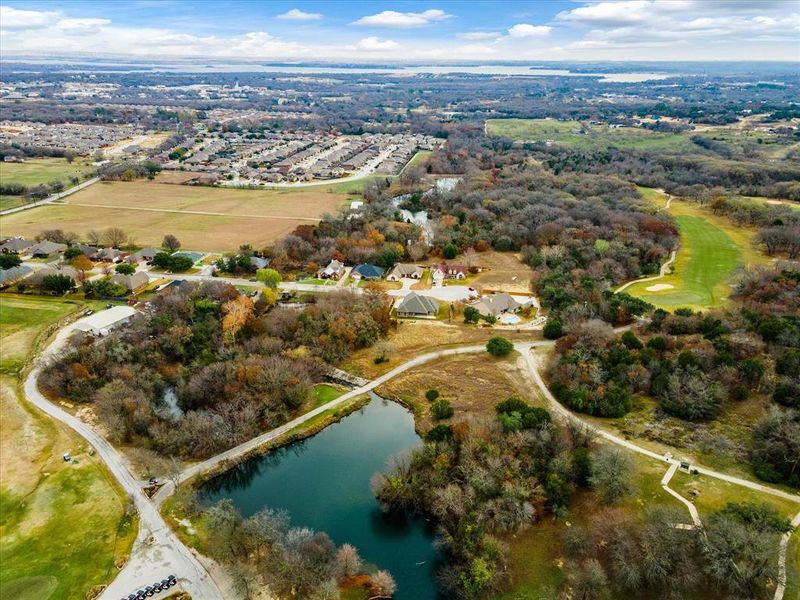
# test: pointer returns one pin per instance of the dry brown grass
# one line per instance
(473, 383)
(149, 210)
(412, 338)
(504, 272)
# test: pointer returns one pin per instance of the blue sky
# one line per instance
(407, 30)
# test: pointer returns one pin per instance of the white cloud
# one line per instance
(476, 50)
(298, 15)
(479, 35)
(391, 18)
(82, 26)
(12, 19)
(525, 30)
(373, 44)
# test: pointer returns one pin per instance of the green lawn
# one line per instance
(7, 202)
(36, 171)
(324, 393)
(62, 525)
(22, 319)
(586, 137)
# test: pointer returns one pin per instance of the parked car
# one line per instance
(88, 312)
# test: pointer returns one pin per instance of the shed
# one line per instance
(100, 323)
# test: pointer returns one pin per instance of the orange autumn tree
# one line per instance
(237, 313)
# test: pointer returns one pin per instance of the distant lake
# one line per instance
(306, 69)
(324, 483)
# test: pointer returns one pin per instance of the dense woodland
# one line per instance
(697, 364)
(207, 368)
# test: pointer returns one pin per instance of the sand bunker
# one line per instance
(659, 287)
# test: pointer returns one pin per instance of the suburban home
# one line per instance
(414, 305)
(45, 249)
(87, 250)
(133, 283)
(334, 270)
(495, 305)
(259, 263)
(143, 255)
(444, 271)
(14, 274)
(404, 270)
(366, 271)
(37, 277)
(16, 245)
(108, 255)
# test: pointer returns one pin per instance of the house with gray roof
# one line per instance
(143, 255)
(414, 305)
(14, 274)
(16, 245)
(404, 270)
(46, 248)
(133, 283)
(495, 305)
(37, 277)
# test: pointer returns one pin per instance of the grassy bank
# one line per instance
(64, 527)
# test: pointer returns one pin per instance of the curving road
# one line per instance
(157, 551)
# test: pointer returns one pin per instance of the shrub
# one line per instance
(58, 284)
(441, 409)
(657, 343)
(515, 414)
(499, 346)
(787, 392)
(8, 261)
(450, 250)
(431, 395)
(553, 329)
(631, 341)
(471, 314)
(581, 466)
(125, 269)
(440, 433)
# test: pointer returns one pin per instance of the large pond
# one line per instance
(324, 483)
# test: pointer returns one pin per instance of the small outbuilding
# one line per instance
(100, 323)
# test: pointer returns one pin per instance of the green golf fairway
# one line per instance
(705, 261)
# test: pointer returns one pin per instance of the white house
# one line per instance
(100, 323)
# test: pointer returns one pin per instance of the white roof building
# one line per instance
(101, 322)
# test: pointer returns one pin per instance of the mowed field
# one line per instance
(203, 218)
(597, 136)
(63, 526)
(711, 249)
(36, 171)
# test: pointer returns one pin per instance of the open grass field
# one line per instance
(473, 383)
(504, 271)
(7, 202)
(596, 136)
(711, 249)
(62, 525)
(412, 338)
(35, 171)
(203, 218)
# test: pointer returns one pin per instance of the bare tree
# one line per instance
(115, 237)
(171, 243)
(93, 237)
(383, 585)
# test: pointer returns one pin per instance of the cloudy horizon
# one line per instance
(558, 30)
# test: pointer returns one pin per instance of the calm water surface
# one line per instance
(324, 484)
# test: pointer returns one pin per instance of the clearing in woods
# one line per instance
(205, 218)
(62, 524)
